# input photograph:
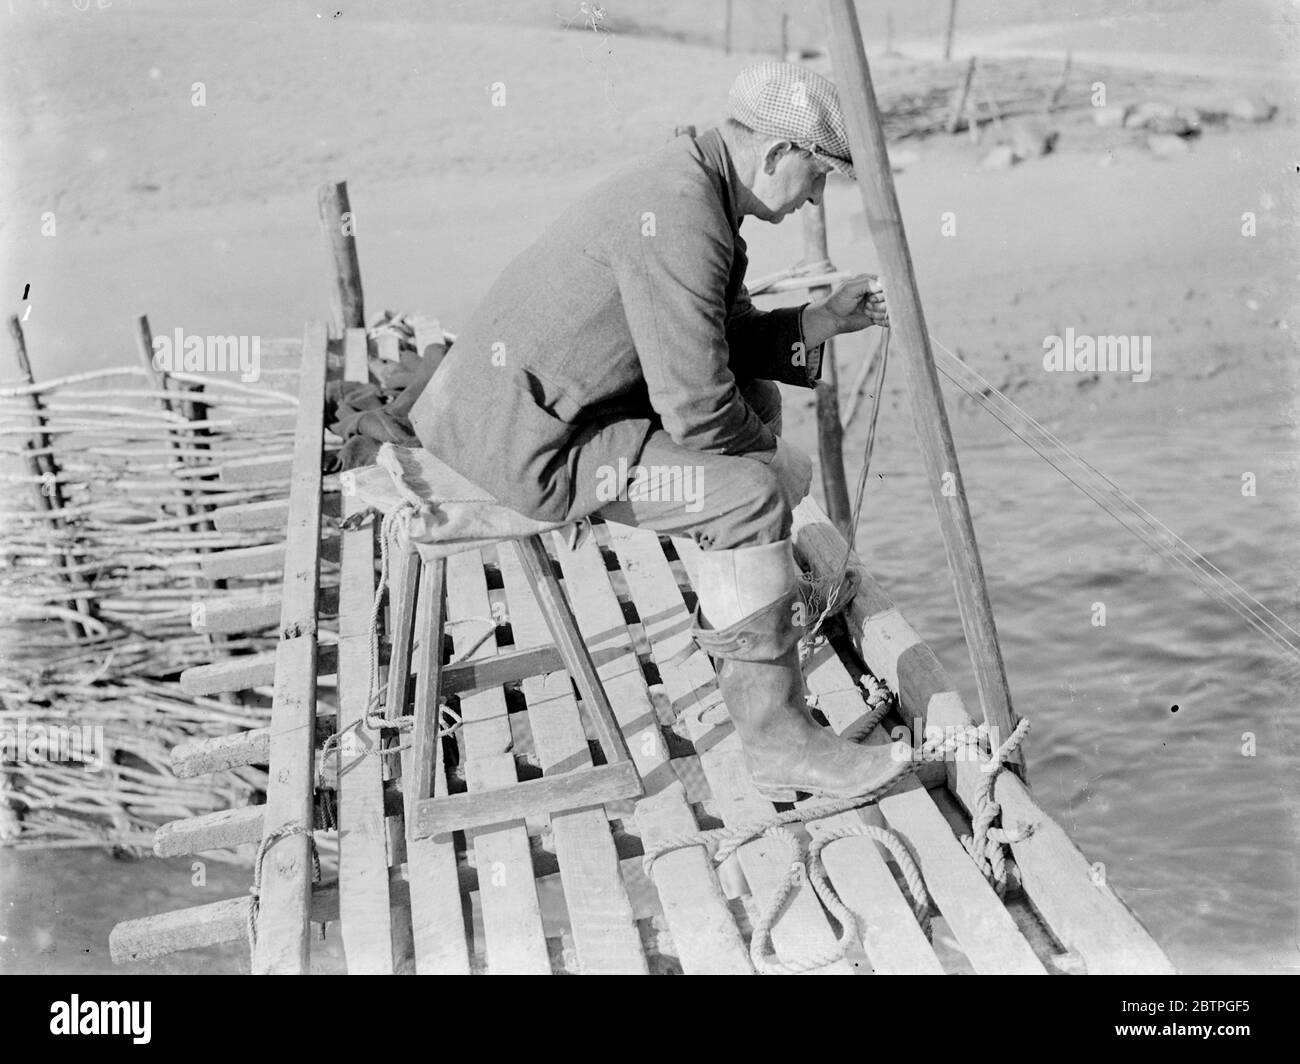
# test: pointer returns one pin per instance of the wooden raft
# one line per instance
(566, 891)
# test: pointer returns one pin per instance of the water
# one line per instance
(1139, 727)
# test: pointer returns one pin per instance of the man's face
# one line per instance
(788, 177)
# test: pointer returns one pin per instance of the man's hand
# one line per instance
(856, 304)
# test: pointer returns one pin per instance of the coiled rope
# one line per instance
(721, 843)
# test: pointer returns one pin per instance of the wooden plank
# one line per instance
(438, 922)
(703, 929)
(259, 516)
(512, 919)
(1086, 918)
(256, 561)
(196, 757)
(891, 937)
(248, 671)
(564, 630)
(364, 903)
(803, 929)
(248, 613)
(283, 926)
(230, 827)
(605, 936)
(571, 790)
(260, 470)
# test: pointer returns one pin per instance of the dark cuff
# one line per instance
(813, 357)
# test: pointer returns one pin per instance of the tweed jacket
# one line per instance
(629, 313)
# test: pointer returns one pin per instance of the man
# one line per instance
(623, 340)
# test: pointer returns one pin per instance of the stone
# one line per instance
(1252, 109)
(1167, 145)
(1112, 116)
(1000, 158)
(1031, 138)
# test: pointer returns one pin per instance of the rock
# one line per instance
(1000, 158)
(1161, 117)
(1111, 117)
(1252, 109)
(1031, 138)
(1167, 146)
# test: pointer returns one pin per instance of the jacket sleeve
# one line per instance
(672, 263)
(768, 345)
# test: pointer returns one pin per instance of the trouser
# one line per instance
(721, 501)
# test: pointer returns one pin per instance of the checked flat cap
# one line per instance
(795, 103)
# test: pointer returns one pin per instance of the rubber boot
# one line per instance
(745, 621)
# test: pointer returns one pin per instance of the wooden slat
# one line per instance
(699, 920)
(259, 470)
(1086, 918)
(266, 558)
(803, 929)
(283, 926)
(259, 516)
(248, 613)
(891, 936)
(437, 915)
(230, 827)
(364, 903)
(248, 671)
(605, 936)
(512, 919)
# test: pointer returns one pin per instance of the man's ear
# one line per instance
(773, 155)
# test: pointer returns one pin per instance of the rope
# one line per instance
(721, 843)
(986, 844)
(826, 595)
(270, 840)
(449, 720)
(1121, 506)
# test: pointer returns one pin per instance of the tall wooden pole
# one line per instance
(49, 490)
(830, 434)
(907, 321)
(952, 25)
(340, 236)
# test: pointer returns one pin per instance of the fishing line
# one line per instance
(1209, 576)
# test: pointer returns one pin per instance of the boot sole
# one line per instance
(779, 793)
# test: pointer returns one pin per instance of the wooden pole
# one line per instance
(907, 320)
(1055, 100)
(338, 224)
(830, 436)
(49, 491)
(952, 25)
(963, 94)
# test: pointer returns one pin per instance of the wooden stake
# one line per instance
(42, 463)
(1055, 100)
(963, 94)
(880, 202)
(830, 436)
(338, 225)
(952, 25)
